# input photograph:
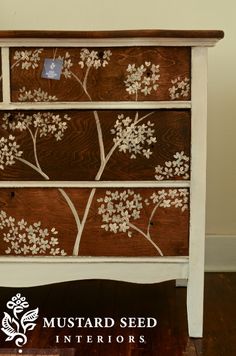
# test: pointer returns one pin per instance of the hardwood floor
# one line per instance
(117, 299)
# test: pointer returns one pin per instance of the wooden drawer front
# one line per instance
(0, 76)
(64, 145)
(117, 222)
(92, 74)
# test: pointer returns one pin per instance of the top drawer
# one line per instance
(102, 74)
(0, 76)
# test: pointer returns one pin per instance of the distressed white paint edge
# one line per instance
(220, 253)
(135, 105)
(195, 287)
(106, 42)
(5, 76)
(27, 274)
(95, 184)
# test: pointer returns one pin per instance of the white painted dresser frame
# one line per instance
(31, 271)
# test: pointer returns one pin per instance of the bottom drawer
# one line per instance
(94, 221)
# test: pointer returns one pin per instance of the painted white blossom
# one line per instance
(167, 198)
(27, 58)
(178, 167)
(28, 239)
(67, 64)
(37, 95)
(133, 137)
(118, 208)
(94, 58)
(180, 88)
(46, 123)
(142, 79)
(9, 150)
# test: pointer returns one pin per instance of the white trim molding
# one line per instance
(26, 272)
(104, 105)
(96, 184)
(107, 42)
(220, 253)
(5, 77)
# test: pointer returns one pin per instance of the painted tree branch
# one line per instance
(98, 177)
(118, 209)
(95, 113)
(100, 137)
(62, 191)
(31, 165)
(147, 236)
(86, 80)
(15, 64)
(151, 217)
(86, 212)
(24, 123)
(34, 138)
(89, 61)
(72, 207)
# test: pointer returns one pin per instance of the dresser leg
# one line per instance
(197, 192)
(181, 282)
(195, 308)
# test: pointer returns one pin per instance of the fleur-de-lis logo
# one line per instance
(15, 326)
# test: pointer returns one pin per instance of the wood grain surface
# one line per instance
(77, 157)
(174, 62)
(114, 34)
(0, 75)
(168, 226)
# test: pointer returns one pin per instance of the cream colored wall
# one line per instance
(182, 14)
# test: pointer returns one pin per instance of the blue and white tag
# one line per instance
(52, 68)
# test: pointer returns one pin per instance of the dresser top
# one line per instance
(216, 34)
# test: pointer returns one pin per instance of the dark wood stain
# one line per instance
(169, 230)
(114, 34)
(77, 157)
(0, 74)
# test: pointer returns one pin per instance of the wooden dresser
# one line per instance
(103, 158)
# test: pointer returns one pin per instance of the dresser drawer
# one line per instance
(118, 222)
(92, 74)
(0, 75)
(64, 145)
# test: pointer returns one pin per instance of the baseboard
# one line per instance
(220, 253)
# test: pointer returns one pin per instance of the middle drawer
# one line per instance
(83, 145)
